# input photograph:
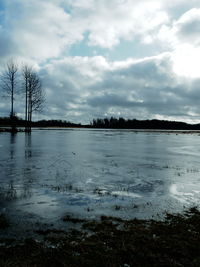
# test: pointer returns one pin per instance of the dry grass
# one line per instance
(114, 242)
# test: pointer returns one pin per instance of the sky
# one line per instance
(99, 58)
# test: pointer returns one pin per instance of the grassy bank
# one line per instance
(111, 242)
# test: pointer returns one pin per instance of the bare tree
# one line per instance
(33, 93)
(9, 84)
(26, 73)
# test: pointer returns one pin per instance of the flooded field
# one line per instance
(86, 173)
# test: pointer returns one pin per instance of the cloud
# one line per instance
(38, 29)
(116, 20)
(188, 27)
(82, 88)
(181, 38)
(79, 88)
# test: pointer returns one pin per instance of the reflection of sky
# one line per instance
(185, 193)
(52, 172)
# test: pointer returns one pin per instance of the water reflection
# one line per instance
(11, 192)
(97, 170)
(12, 145)
(17, 175)
(28, 144)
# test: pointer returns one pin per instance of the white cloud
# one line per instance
(186, 55)
(79, 88)
(39, 29)
(188, 27)
(186, 60)
(122, 20)
(181, 37)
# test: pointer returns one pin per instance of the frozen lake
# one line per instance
(90, 172)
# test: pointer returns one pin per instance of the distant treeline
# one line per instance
(109, 123)
(4, 122)
(122, 123)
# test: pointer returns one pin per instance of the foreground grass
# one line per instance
(113, 242)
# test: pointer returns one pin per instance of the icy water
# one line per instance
(90, 172)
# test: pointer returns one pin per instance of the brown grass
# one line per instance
(114, 242)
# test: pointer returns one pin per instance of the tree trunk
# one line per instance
(13, 125)
(26, 107)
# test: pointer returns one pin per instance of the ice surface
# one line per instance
(89, 173)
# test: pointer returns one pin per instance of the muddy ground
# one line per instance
(174, 241)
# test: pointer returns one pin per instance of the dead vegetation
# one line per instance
(114, 242)
(4, 223)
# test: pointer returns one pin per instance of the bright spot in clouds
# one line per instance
(186, 60)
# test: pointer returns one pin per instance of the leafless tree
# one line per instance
(34, 96)
(26, 73)
(9, 84)
(8, 79)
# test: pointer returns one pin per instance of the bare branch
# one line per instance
(8, 80)
(34, 94)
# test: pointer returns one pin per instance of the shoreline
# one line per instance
(110, 242)
(20, 130)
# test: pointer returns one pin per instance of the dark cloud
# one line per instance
(144, 89)
(110, 100)
(190, 29)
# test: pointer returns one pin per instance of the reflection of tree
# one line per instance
(8, 190)
(28, 143)
(19, 173)
(11, 193)
(27, 175)
(26, 191)
(12, 144)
